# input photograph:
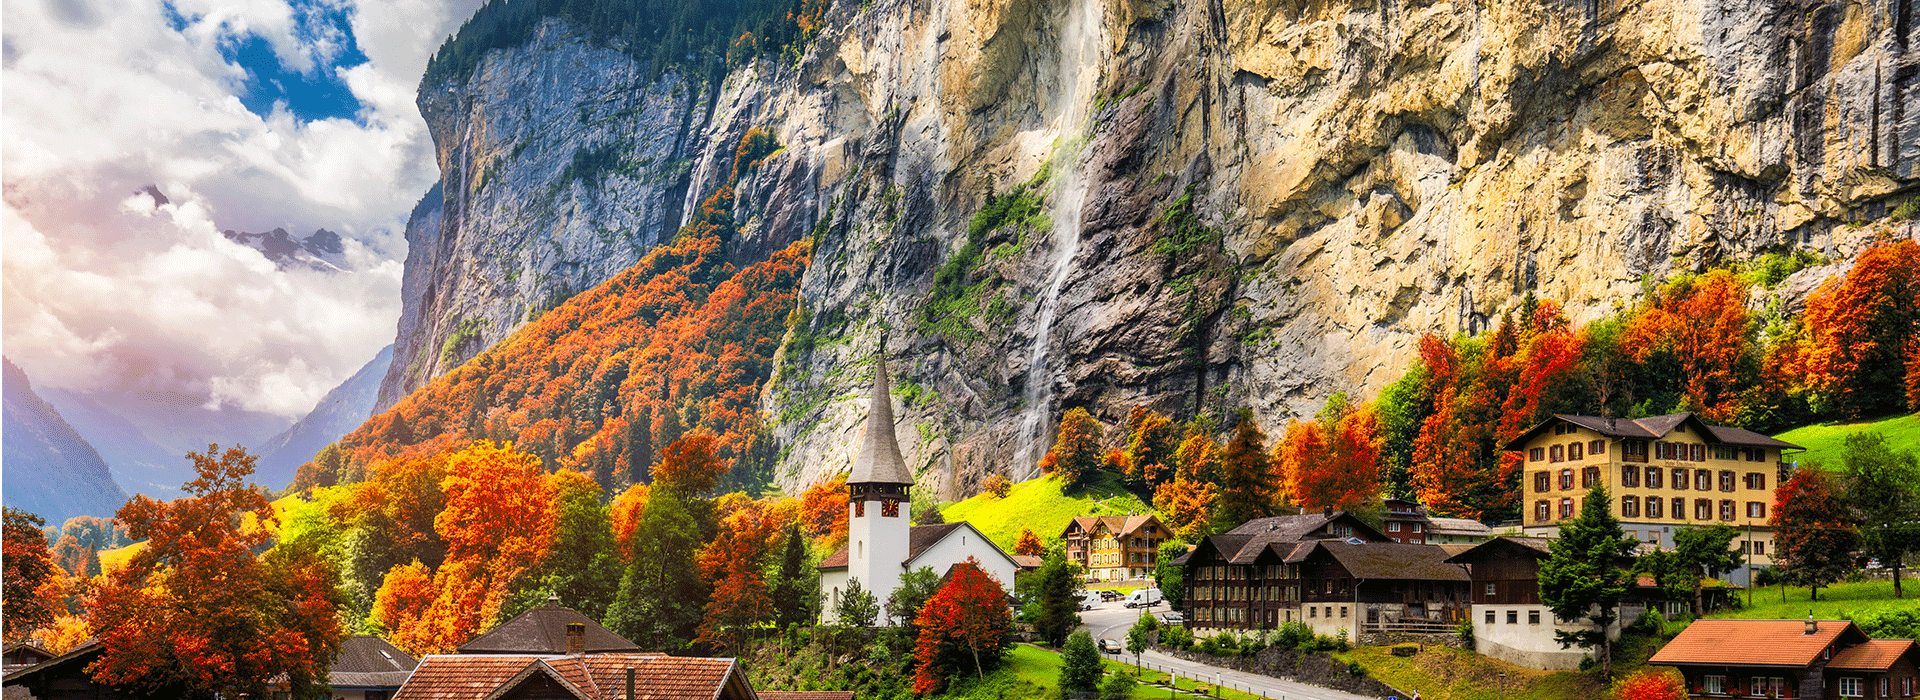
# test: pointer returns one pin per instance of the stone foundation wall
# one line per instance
(1313, 668)
(1383, 639)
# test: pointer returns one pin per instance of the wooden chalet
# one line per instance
(605, 676)
(1827, 659)
(1112, 548)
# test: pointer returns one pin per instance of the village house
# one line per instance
(1115, 548)
(1407, 522)
(1827, 659)
(1663, 474)
(1509, 620)
(881, 544)
(1329, 570)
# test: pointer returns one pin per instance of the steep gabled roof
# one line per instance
(879, 461)
(1651, 428)
(366, 661)
(1532, 546)
(1121, 525)
(1754, 643)
(544, 631)
(1458, 526)
(1386, 560)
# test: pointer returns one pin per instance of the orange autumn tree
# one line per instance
(404, 594)
(1152, 440)
(497, 523)
(195, 612)
(823, 513)
(965, 626)
(1029, 544)
(628, 507)
(688, 467)
(1650, 685)
(1863, 330)
(1334, 461)
(1076, 453)
(733, 562)
(1187, 505)
(29, 567)
(1703, 323)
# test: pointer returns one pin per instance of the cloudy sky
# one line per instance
(246, 115)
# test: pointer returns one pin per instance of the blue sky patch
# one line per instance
(322, 27)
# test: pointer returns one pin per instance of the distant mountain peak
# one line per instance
(321, 250)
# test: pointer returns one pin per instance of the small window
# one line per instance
(1726, 509)
(1557, 453)
(1702, 480)
(1726, 481)
(1542, 511)
(1699, 452)
(1490, 617)
(1597, 447)
(1343, 612)
(1653, 538)
(1566, 479)
(1589, 476)
(1679, 509)
(1757, 481)
(1416, 527)
(1715, 685)
(1493, 589)
(1760, 547)
(1702, 509)
(1542, 481)
(1629, 476)
(1653, 507)
(1680, 479)
(1533, 617)
(1653, 477)
(1724, 452)
(1393, 527)
(1756, 509)
(1513, 617)
(1576, 451)
(1629, 506)
(1537, 454)
(1566, 508)
(1852, 688)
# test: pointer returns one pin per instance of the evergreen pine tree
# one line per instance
(857, 607)
(794, 593)
(1080, 664)
(1059, 610)
(1586, 574)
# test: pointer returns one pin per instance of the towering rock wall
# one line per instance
(1253, 202)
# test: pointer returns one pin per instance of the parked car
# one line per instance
(1108, 594)
(1110, 646)
(1144, 598)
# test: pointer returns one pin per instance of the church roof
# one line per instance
(919, 538)
(879, 461)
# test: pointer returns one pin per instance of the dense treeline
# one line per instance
(663, 33)
(680, 342)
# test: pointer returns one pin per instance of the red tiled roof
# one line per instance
(806, 695)
(596, 676)
(1753, 642)
(1874, 655)
(1119, 525)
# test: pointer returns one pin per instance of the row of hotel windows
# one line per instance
(1703, 508)
(1702, 479)
(1513, 616)
(1677, 451)
(1852, 687)
(1114, 559)
(1203, 615)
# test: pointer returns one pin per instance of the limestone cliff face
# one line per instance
(1241, 202)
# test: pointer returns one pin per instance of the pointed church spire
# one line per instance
(879, 461)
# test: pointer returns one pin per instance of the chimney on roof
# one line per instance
(1813, 626)
(1327, 510)
(553, 600)
(576, 638)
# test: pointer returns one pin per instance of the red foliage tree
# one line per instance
(1650, 685)
(195, 612)
(1152, 440)
(732, 563)
(688, 467)
(1862, 328)
(1703, 321)
(1814, 535)
(965, 626)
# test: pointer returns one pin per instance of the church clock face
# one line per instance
(890, 509)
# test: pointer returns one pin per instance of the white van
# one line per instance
(1144, 598)
(1091, 599)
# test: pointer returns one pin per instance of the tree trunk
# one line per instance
(1699, 607)
(1896, 578)
(978, 672)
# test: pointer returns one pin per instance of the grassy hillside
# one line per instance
(1041, 506)
(1837, 601)
(1445, 673)
(1822, 440)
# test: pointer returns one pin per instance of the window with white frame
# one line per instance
(1852, 688)
(1715, 685)
(1393, 527)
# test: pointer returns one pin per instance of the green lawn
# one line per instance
(1033, 672)
(1039, 505)
(1445, 673)
(1836, 601)
(1822, 440)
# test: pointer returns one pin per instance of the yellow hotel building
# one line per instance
(1663, 473)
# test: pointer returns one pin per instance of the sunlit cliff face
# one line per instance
(135, 132)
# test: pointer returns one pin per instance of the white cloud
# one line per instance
(104, 292)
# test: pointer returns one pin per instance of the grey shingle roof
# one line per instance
(544, 631)
(1387, 560)
(1652, 428)
(879, 461)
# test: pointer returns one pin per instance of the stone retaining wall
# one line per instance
(1313, 668)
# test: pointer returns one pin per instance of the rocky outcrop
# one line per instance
(1257, 202)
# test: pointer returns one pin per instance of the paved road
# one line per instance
(1112, 620)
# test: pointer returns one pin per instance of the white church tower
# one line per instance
(879, 509)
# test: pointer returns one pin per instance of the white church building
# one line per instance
(882, 544)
